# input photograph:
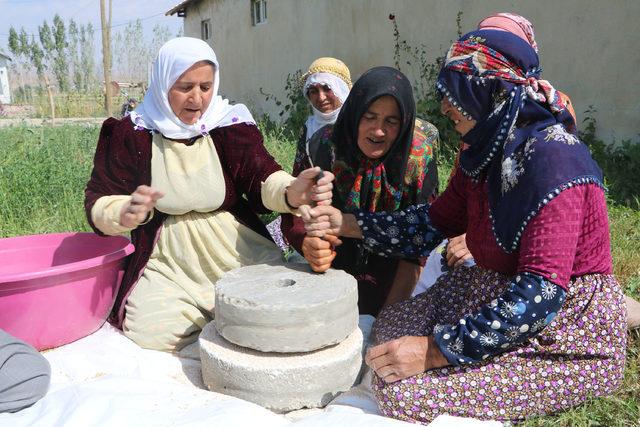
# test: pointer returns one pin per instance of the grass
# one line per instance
(43, 171)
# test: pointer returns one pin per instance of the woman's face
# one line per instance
(191, 94)
(379, 127)
(462, 124)
(323, 98)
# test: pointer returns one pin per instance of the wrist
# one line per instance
(435, 358)
(148, 218)
(349, 227)
(286, 200)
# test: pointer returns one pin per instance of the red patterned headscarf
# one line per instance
(524, 139)
(471, 56)
(513, 23)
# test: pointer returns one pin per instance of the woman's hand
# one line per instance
(320, 252)
(309, 188)
(143, 200)
(404, 357)
(457, 251)
(321, 220)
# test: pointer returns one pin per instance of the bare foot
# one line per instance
(633, 313)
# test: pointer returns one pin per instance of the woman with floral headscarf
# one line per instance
(382, 157)
(537, 326)
(186, 174)
(453, 252)
(521, 27)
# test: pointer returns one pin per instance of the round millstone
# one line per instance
(281, 382)
(286, 308)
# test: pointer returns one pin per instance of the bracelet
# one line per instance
(148, 218)
(286, 200)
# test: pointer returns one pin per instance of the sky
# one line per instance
(31, 13)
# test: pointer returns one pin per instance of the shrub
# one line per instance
(620, 163)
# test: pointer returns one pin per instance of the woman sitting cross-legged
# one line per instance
(382, 157)
(538, 325)
(187, 175)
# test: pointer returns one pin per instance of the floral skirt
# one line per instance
(580, 354)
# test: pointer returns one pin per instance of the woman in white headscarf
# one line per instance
(186, 174)
(326, 87)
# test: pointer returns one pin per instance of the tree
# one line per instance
(40, 57)
(22, 47)
(58, 56)
(161, 34)
(21, 64)
(87, 56)
(74, 55)
(130, 52)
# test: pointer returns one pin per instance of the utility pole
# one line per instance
(106, 54)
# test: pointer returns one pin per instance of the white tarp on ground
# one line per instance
(107, 380)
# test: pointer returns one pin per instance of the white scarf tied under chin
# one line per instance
(154, 113)
(319, 119)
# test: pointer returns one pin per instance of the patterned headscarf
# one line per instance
(389, 183)
(513, 23)
(524, 137)
(521, 27)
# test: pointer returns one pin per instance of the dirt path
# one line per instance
(47, 122)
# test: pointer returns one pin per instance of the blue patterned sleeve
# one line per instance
(407, 233)
(527, 307)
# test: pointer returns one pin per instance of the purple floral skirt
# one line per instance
(579, 355)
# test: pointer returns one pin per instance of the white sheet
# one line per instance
(107, 380)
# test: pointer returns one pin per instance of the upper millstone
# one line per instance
(285, 308)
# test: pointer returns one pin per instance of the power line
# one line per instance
(81, 9)
(139, 19)
(112, 26)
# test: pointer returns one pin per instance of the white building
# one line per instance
(588, 48)
(5, 93)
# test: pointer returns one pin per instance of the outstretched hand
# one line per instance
(142, 202)
(309, 187)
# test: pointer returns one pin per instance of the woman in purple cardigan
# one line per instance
(186, 174)
(538, 325)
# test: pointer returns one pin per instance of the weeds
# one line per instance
(294, 111)
(620, 163)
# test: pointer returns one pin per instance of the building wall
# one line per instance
(588, 48)
(5, 95)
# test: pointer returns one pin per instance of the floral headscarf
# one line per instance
(524, 137)
(404, 176)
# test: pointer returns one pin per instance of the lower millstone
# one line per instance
(278, 381)
(285, 308)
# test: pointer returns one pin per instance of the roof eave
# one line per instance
(180, 9)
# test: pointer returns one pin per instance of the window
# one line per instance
(258, 11)
(205, 29)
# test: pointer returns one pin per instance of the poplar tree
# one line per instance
(74, 55)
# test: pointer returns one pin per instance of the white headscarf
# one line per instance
(319, 119)
(154, 113)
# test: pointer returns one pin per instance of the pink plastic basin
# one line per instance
(57, 288)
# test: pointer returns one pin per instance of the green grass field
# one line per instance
(43, 171)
